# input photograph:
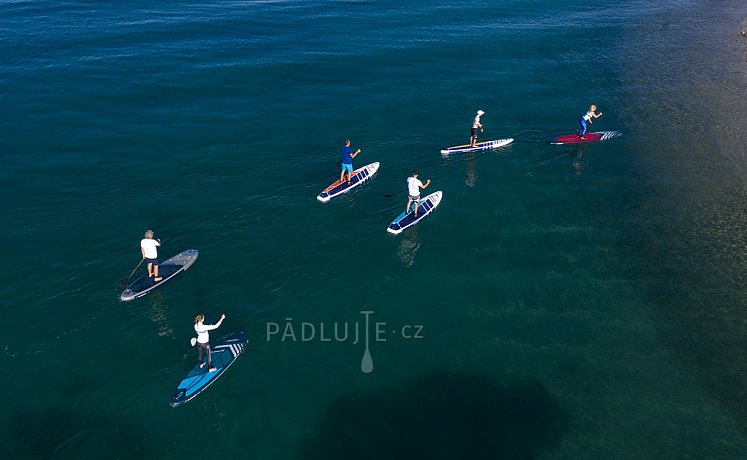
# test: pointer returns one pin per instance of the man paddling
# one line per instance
(347, 160)
(473, 132)
(413, 191)
(203, 339)
(148, 248)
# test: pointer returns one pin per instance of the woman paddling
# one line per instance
(203, 339)
(582, 121)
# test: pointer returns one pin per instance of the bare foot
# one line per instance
(212, 369)
(158, 279)
(202, 365)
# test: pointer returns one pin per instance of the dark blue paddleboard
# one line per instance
(166, 270)
(223, 355)
(425, 206)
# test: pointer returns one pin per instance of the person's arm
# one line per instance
(423, 186)
(356, 153)
(142, 251)
(210, 327)
(597, 115)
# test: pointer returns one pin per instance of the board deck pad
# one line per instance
(487, 145)
(167, 270)
(338, 187)
(425, 207)
(573, 139)
(223, 355)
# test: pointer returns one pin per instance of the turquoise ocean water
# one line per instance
(561, 302)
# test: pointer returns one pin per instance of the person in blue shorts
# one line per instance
(587, 117)
(347, 160)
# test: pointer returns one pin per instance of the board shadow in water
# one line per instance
(440, 415)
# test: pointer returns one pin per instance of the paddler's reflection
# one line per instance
(471, 177)
(408, 248)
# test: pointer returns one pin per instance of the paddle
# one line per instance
(126, 282)
(392, 194)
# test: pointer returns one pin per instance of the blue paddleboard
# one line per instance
(223, 355)
(425, 206)
(167, 270)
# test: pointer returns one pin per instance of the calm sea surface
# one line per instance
(561, 303)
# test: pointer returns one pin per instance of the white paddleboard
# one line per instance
(487, 145)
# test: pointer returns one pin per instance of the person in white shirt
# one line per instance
(148, 248)
(203, 339)
(473, 132)
(413, 191)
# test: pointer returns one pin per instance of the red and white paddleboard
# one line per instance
(573, 139)
(359, 176)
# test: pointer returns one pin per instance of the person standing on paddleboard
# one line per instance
(347, 160)
(203, 339)
(582, 121)
(413, 191)
(473, 132)
(148, 248)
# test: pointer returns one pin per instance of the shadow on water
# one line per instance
(56, 432)
(440, 415)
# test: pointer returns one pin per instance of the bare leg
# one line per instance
(150, 270)
(155, 274)
(342, 175)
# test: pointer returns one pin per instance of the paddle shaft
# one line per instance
(127, 281)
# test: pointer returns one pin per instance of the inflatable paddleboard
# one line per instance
(425, 206)
(198, 379)
(573, 139)
(167, 270)
(487, 145)
(339, 187)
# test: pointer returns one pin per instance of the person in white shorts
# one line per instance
(148, 248)
(413, 191)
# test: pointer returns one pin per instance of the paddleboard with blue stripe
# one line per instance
(487, 145)
(198, 379)
(167, 270)
(359, 176)
(425, 207)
